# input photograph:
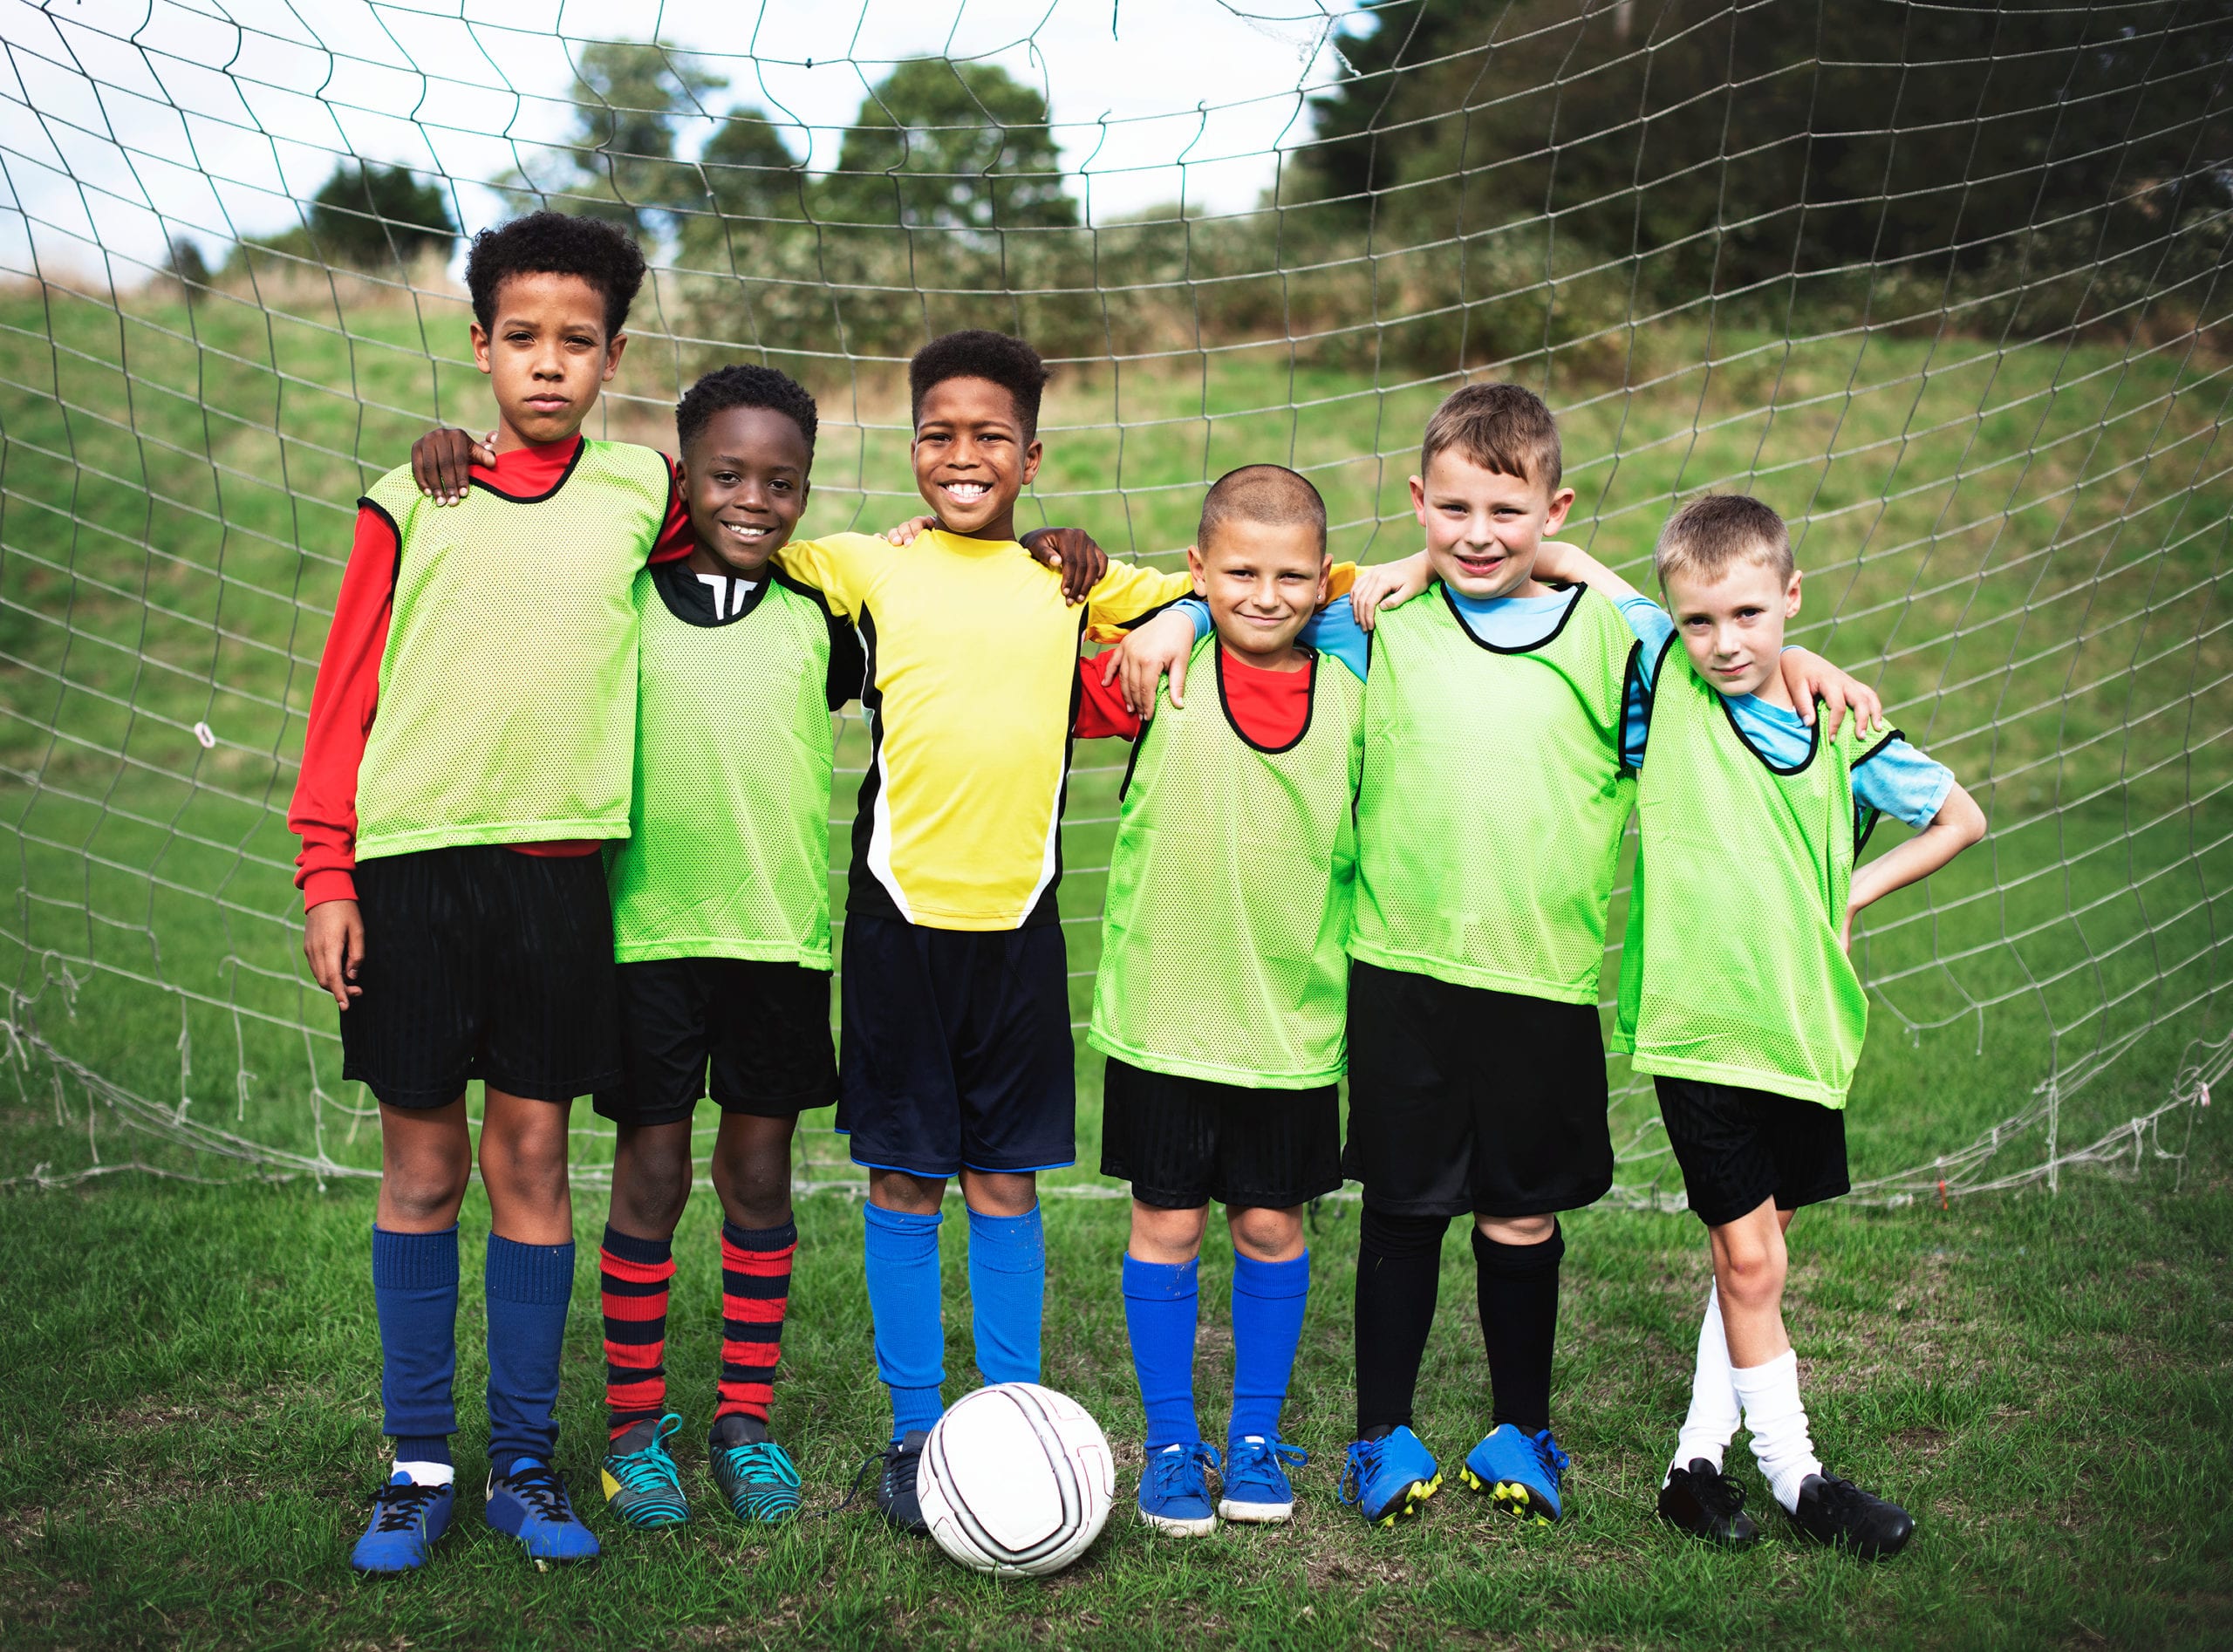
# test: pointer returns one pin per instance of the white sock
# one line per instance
(425, 1473)
(1712, 1421)
(1774, 1412)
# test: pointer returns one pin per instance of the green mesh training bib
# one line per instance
(1731, 973)
(507, 688)
(1490, 819)
(1229, 890)
(727, 853)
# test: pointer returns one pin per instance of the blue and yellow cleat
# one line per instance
(756, 1476)
(407, 1519)
(641, 1483)
(1175, 1490)
(1390, 1478)
(530, 1503)
(1521, 1471)
(1256, 1492)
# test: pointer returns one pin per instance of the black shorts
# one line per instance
(763, 1027)
(956, 1049)
(1465, 1100)
(1183, 1141)
(482, 962)
(1740, 1148)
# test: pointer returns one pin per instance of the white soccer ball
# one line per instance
(1016, 1480)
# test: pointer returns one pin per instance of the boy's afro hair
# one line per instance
(979, 353)
(556, 243)
(743, 384)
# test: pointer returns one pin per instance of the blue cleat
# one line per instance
(1390, 1478)
(1175, 1491)
(407, 1520)
(1521, 1471)
(1256, 1489)
(530, 1503)
(756, 1477)
(641, 1483)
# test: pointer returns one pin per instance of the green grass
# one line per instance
(2025, 547)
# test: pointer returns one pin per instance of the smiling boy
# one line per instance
(720, 908)
(1737, 994)
(955, 1057)
(463, 763)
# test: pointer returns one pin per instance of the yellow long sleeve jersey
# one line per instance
(971, 667)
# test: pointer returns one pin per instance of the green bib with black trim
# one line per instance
(728, 854)
(1222, 949)
(1489, 822)
(1731, 973)
(507, 708)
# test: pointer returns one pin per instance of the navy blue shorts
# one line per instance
(955, 1048)
(762, 1028)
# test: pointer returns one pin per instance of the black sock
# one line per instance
(1398, 1260)
(1519, 1288)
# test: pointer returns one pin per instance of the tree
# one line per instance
(954, 145)
(627, 97)
(369, 215)
(187, 267)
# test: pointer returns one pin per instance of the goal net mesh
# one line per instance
(1945, 285)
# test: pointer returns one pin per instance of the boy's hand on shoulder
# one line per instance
(1158, 649)
(442, 462)
(333, 941)
(1808, 677)
(1564, 564)
(1072, 551)
(905, 532)
(1386, 585)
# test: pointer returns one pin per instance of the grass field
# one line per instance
(2026, 546)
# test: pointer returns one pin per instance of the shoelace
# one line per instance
(541, 1488)
(1363, 1460)
(1719, 1495)
(1243, 1457)
(403, 1507)
(762, 1455)
(889, 1457)
(1166, 1469)
(648, 1468)
(1547, 1452)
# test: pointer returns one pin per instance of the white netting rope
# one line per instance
(1997, 436)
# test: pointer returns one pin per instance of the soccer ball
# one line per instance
(1015, 1480)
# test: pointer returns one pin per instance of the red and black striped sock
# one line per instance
(755, 1289)
(635, 1274)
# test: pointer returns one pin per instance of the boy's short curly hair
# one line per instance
(979, 352)
(1714, 532)
(556, 243)
(1505, 428)
(1270, 494)
(743, 384)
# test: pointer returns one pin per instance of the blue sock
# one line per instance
(1007, 1292)
(529, 1287)
(1161, 1302)
(415, 1296)
(1268, 1302)
(901, 1254)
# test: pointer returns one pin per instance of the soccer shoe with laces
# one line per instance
(1256, 1492)
(1840, 1513)
(1521, 1471)
(530, 1502)
(641, 1483)
(1707, 1504)
(1387, 1479)
(895, 1496)
(755, 1475)
(1175, 1490)
(406, 1520)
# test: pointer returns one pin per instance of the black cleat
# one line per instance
(1707, 1504)
(895, 1483)
(1837, 1512)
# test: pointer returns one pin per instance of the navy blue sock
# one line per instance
(1162, 1301)
(1268, 1304)
(900, 1252)
(415, 1296)
(529, 1287)
(1007, 1292)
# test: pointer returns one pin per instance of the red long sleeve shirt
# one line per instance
(346, 695)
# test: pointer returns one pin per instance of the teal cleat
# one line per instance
(1256, 1489)
(529, 1503)
(407, 1520)
(1521, 1471)
(641, 1483)
(1389, 1478)
(756, 1477)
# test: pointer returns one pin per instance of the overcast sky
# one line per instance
(121, 119)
